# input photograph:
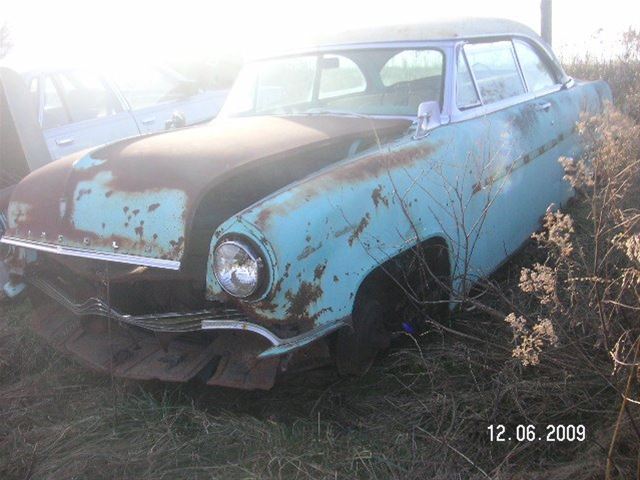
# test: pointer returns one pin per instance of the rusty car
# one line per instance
(285, 233)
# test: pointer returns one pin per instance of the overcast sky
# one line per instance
(64, 29)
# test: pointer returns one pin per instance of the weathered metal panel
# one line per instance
(138, 197)
(482, 185)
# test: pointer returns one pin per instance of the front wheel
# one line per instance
(358, 345)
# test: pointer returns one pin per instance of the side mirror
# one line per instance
(428, 118)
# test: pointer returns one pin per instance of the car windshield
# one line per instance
(374, 81)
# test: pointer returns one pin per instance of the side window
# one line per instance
(495, 70)
(466, 95)
(53, 112)
(147, 86)
(411, 66)
(536, 72)
(86, 96)
(339, 76)
(411, 77)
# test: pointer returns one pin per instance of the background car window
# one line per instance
(86, 96)
(53, 111)
(286, 82)
(34, 92)
(494, 67)
(466, 94)
(147, 86)
(536, 72)
(339, 76)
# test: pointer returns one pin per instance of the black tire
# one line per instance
(426, 294)
(358, 345)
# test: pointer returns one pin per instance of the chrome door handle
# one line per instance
(539, 107)
(148, 121)
(64, 141)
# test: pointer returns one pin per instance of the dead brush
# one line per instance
(622, 72)
(587, 284)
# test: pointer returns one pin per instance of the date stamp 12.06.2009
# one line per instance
(537, 433)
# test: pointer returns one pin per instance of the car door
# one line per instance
(520, 175)
(160, 98)
(80, 111)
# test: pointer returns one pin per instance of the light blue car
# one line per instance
(345, 191)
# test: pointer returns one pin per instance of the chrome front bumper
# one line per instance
(203, 320)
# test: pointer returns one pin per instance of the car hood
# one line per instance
(133, 201)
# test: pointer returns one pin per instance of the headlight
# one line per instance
(237, 268)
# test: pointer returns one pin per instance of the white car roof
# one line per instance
(456, 28)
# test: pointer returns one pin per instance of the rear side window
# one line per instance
(495, 70)
(536, 72)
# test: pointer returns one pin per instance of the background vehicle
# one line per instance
(79, 109)
(76, 109)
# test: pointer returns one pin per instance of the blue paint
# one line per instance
(87, 162)
(147, 223)
(507, 159)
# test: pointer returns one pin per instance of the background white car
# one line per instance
(79, 109)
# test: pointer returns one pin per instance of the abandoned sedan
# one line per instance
(383, 167)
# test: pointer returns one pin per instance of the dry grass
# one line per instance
(423, 410)
(420, 413)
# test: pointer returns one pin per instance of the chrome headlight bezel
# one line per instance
(252, 252)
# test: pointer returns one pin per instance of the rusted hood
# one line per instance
(134, 199)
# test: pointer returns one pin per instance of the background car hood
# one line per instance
(134, 199)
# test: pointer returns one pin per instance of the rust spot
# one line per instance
(319, 271)
(300, 301)
(125, 210)
(378, 197)
(359, 229)
(82, 192)
(153, 207)
(140, 229)
(136, 212)
(342, 232)
(308, 250)
(263, 218)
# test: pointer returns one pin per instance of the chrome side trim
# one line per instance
(92, 254)
(241, 325)
(287, 345)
